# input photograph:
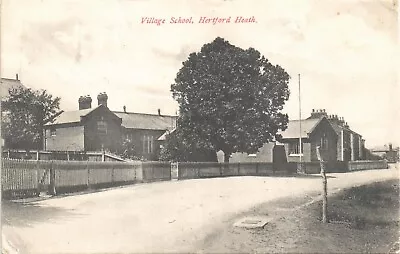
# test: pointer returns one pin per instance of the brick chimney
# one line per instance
(159, 112)
(85, 102)
(102, 99)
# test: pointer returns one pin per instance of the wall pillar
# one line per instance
(353, 155)
(360, 155)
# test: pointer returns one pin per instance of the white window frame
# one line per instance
(296, 151)
(148, 144)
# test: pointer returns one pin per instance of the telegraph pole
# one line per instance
(300, 143)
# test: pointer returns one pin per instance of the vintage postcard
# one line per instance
(215, 126)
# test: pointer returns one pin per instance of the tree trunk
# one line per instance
(226, 157)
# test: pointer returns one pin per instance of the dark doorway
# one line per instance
(279, 158)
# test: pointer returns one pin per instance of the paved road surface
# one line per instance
(158, 217)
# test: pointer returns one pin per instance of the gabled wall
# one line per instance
(95, 140)
(329, 154)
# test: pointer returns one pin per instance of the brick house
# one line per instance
(314, 132)
(350, 144)
(337, 141)
(99, 128)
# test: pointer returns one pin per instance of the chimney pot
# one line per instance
(124, 109)
(313, 110)
(16, 76)
(102, 99)
(159, 112)
(85, 102)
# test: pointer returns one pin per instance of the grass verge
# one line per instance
(364, 219)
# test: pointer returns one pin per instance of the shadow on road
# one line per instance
(26, 214)
(302, 176)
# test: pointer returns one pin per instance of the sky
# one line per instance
(345, 51)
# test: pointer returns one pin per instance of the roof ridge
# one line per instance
(148, 114)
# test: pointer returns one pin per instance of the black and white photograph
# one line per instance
(202, 126)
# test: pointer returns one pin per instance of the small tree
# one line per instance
(128, 150)
(230, 99)
(24, 113)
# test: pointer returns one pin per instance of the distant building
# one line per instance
(387, 152)
(99, 128)
(5, 85)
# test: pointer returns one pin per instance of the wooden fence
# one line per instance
(191, 170)
(156, 171)
(314, 167)
(25, 178)
(365, 165)
(61, 155)
(22, 178)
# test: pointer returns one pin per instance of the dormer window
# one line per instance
(53, 132)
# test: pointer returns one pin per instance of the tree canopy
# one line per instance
(24, 113)
(230, 99)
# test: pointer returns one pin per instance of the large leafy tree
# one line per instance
(230, 99)
(24, 113)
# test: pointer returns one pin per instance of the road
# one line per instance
(158, 217)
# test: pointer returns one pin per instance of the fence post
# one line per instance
(88, 174)
(112, 174)
(38, 178)
(238, 172)
(324, 187)
(170, 173)
(256, 168)
(220, 168)
(177, 169)
(52, 180)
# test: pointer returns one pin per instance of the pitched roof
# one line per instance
(338, 128)
(293, 128)
(129, 120)
(71, 116)
(146, 121)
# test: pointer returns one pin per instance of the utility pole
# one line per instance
(300, 142)
(324, 186)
